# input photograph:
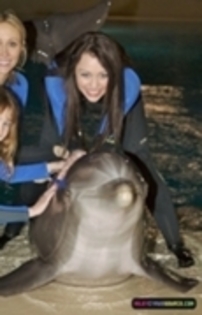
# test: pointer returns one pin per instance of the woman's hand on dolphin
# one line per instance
(71, 159)
(64, 164)
(40, 206)
(67, 160)
(61, 151)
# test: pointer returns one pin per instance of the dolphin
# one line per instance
(49, 35)
(92, 232)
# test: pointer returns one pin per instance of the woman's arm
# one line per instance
(30, 172)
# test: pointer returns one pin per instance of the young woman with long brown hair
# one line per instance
(104, 108)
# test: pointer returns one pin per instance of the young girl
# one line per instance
(9, 117)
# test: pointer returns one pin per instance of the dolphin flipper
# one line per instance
(177, 282)
(29, 276)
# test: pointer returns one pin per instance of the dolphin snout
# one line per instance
(124, 195)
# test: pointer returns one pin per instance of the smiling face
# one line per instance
(5, 123)
(91, 77)
(11, 45)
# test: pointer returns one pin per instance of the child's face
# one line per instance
(5, 123)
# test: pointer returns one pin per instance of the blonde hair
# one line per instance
(10, 18)
(9, 145)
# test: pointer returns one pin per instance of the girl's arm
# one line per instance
(22, 213)
(10, 214)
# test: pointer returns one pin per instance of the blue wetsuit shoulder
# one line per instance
(57, 97)
(132, 88)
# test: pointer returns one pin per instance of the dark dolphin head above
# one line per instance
(50, 35)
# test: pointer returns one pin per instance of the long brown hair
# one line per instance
(9, 145)
(113, 58)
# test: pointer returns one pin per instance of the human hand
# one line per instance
(42, 181)
(55, 167)
(41, 205)
(60, 151)
(72, 158)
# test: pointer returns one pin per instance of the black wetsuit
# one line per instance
(135, 143)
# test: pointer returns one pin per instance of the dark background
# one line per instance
(136, 9)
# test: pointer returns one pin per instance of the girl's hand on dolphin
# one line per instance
(40, 206)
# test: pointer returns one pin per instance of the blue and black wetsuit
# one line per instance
(135, 144)
(35, 150)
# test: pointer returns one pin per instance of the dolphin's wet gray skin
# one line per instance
(50, 35)
(92, 233)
